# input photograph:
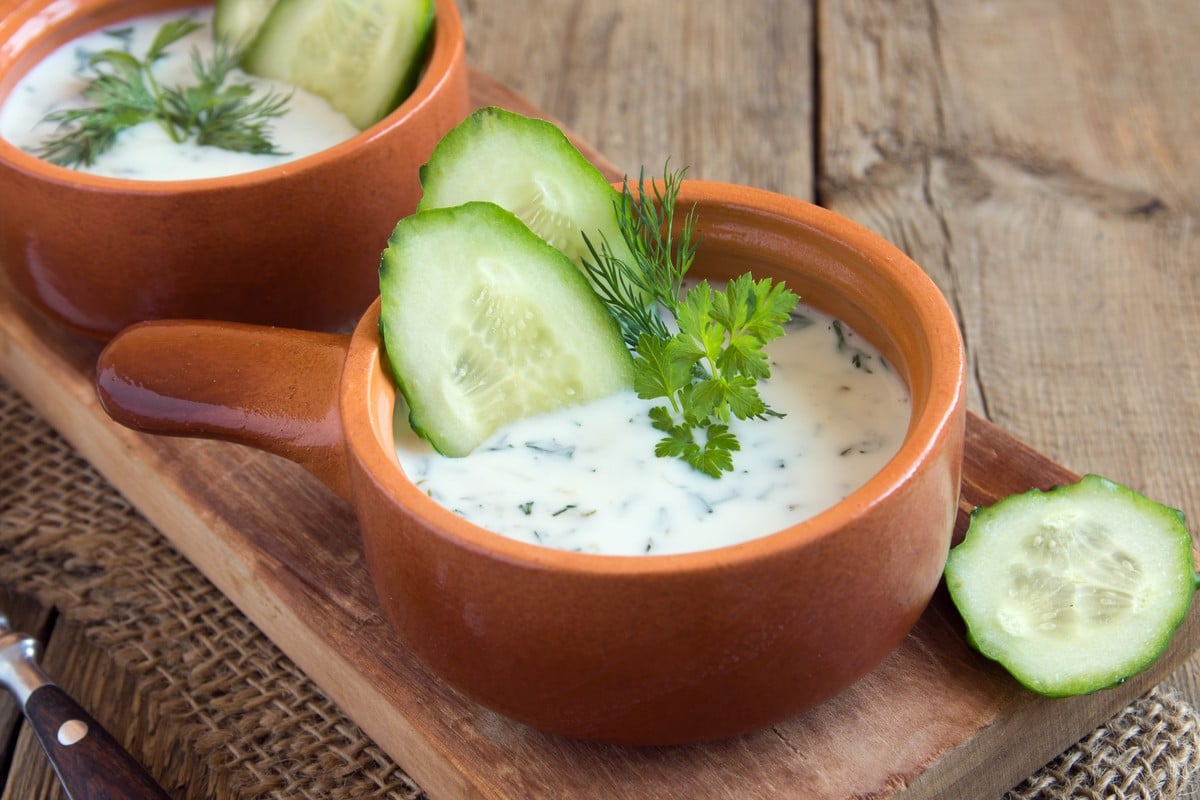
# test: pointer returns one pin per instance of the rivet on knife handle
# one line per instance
(89, 762)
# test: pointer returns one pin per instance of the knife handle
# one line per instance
(90, 763)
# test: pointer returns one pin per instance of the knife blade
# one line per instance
(89, 762)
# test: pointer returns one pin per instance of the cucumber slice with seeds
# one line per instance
(363, 56)
(1075, 589)
(529, 167)
(484, 323)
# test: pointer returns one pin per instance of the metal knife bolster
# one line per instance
(19, 672)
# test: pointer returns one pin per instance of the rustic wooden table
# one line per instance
(1038, 159)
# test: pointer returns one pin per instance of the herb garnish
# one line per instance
(125, 93)
(708, 369)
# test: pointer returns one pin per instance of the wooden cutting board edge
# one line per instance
(970, 771)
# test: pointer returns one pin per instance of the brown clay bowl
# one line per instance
(297, 244)
(627, 649)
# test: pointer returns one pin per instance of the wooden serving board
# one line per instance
(933, 720)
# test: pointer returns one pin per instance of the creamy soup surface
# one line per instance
(145, 151)
(586, 478)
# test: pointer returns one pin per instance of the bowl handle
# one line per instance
(274, 389)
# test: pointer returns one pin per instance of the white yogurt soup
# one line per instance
(586, 478)
(145, 151)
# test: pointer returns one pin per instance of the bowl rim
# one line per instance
(366, 375)
(447, 50)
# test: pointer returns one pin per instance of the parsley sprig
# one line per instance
(124, 92)
(708, 367)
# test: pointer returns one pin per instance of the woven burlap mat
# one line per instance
(235, 718)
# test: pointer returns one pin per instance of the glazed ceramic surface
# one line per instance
(629, 649)
(296, 244)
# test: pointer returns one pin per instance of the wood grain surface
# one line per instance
(1038, 159)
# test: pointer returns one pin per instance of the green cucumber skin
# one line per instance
(980, 633)
(365, 95)
(492, 154)
(417, 305)
(426, 20)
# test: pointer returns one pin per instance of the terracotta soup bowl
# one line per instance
(627, 649)
(295, 244)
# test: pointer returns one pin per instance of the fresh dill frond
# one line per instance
(124, 92)
(224, 115)
(635, 292)
(708, 368)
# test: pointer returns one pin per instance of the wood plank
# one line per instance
(1037, 160)
(285, 550)
(1056, 212)
(726, 89)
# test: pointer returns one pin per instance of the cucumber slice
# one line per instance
(1075, 589)
(363, 56)
(529, 167)
(237, 21)
(484, 323)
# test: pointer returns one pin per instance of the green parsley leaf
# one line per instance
(709, 368)
(661, 370)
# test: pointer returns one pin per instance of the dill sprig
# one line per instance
(708, 368)
(124, 92)
(634, 293)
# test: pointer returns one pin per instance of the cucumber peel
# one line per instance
(1075, 589)
(485, 323)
